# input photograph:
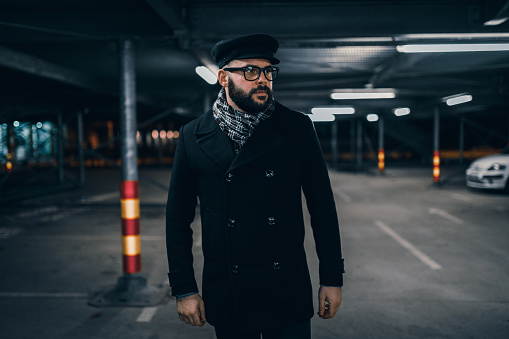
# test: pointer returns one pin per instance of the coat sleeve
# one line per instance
(180, 213)
(322, 209)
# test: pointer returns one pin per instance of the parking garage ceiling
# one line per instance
(61, 55)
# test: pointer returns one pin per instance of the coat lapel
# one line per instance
(264, 139)
(214, 142)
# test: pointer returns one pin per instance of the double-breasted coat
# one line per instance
(255, 273)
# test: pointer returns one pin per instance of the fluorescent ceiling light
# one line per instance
(401, 111)
(495, 22)
(366, 95)
(449, 36)
(458, 100)
(333, 110)
(372, 117)
(206, 74)
(443, 48)
(322, 117)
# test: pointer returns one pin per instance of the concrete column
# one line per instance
(81, 153)
(352, 142)
(160, 144)
(381, 146)
(462, 140)
(60, 145)
(436, 147)
(359, 145)
(129, 151)
(334, 144)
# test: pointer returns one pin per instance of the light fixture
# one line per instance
(363, 93)
(401, 111)
(372, 117)
(495, 22)
(445, 48)
(333, 110)
(322, 117)
(458, 100)
(206, 74)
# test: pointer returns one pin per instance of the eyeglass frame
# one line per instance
(243, 69)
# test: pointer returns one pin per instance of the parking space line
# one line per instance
(406, 244)
(445, 215)
(41, 295)
(342, 195)
(146, 315)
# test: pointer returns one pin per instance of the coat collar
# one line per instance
(216, 144)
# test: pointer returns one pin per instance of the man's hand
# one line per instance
(329, 299)
(191, 310)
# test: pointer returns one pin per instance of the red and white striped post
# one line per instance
(131, 288)
(131, 244)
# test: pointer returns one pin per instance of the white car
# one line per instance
(490, 172)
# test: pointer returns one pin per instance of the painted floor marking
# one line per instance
(462, 197)
(445, 215)
(406, 244)
(41, 295)
(103, 197)
(7, 232)
(147, 314)
(343, 196)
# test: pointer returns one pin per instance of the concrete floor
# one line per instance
(421, 261)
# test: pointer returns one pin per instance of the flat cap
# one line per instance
(256, 46)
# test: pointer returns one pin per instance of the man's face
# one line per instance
(248, 96)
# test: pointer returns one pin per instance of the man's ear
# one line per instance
(222, 77)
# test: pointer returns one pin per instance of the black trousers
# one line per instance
(298, 331)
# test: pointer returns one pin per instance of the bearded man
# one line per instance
(247, 160)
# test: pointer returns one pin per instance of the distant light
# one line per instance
(458, 100)
(162, 134)
(16, 123)
(322, 117)
(4, 126)
(176, 134)
(495, 22)
(401, 111)
(333, 110)
(372, 117)
(169, 134)
(365, 95)
(206, 74)
(155, 134)
(443, 48)
(39, 124)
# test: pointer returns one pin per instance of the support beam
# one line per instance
(334, 144)
(359, 145)
(45, 69)
(436, 146)
(81, 153)
(169, 11)
(29, 64)
(60, 146)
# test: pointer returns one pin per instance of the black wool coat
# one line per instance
(255, 273)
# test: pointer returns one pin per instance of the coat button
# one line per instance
(231, 222)
(276, 265)
(271, 221)
(235, 268)
(229, 177)
(269, 173)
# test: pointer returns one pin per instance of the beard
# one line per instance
(245, 100)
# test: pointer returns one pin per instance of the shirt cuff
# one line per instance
(180, 296)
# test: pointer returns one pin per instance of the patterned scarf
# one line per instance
(239, 126)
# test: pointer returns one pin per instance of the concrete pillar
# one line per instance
(381, 147)
(359, 145)
(462, 140)
(436, 146)
(81, 153)
(60, 147)
(334, 144)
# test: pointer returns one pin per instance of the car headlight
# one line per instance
(496, 167)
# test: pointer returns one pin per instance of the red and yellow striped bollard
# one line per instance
(381, 160)
(436, 166)
(131, 245)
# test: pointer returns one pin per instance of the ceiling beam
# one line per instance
(26, 63)
(170, 12)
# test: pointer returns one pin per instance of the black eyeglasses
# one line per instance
(252, 73)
